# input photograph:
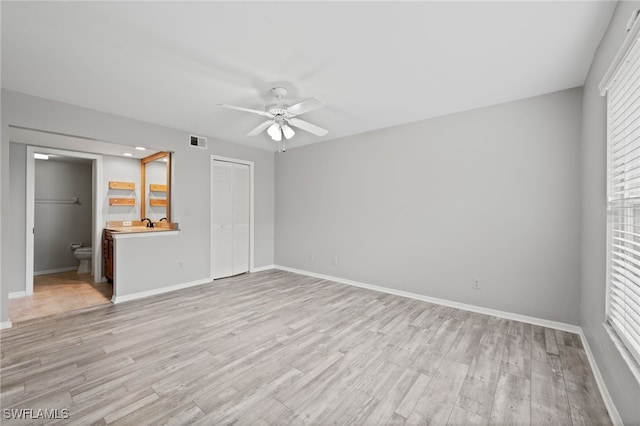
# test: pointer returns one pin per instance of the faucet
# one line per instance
(164, 218)
(149, 224)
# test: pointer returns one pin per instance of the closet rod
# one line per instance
(74, 200)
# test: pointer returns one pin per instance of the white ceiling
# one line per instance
(374, 64)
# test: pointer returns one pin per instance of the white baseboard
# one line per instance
(608, 402)
(134, 296)
(5, 324)
(479, 309)
(54, 271)
(16, 294)
(263, 268)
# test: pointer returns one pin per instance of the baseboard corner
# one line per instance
(263, 268)
(604, 392)
(16, 294)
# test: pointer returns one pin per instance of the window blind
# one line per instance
(623, 195)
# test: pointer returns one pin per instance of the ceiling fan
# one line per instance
(281, 117)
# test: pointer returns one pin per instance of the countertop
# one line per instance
(136, 229)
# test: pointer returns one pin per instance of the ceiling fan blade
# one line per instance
(305, 125)
(254, 111)
(260, 128)
(309, 105)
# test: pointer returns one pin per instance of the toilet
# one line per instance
(83, 254)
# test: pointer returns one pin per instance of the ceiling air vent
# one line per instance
(198, 142)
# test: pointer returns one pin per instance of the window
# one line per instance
(623, 198)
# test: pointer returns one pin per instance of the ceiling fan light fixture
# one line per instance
(275, 132)
(288, 131)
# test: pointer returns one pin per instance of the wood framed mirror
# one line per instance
(156, 186)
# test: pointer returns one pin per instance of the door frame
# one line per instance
(251, 206)
(96, 212)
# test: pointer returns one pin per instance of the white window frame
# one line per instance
(622, 329)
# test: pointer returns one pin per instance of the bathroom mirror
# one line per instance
(156, 186)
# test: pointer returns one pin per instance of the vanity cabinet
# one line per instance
(107, 253)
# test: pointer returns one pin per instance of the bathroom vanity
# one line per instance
(128, 229)
(141, 257)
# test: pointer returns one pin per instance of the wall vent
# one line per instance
(198, 142)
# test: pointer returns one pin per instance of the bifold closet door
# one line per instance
(240, 237)
(230, 213)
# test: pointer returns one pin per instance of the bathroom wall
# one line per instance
(57, 225)
(120, 169)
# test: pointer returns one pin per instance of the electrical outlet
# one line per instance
(126, 223)
(476, 284)
(334, 260)
(180, 266)
(310, 257)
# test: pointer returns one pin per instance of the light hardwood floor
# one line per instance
(279, 348)
(59, 292)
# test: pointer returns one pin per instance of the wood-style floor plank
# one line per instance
(275, 348)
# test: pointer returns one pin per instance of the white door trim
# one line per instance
(96, 235)
(251, 204)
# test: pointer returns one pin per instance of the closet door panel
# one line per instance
(240, 245)
(222, 213)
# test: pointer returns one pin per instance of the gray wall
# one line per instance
(4, 214)
(123, 170)
(58, 225)
(622, 386)
(190, 186)
(426, 207)
(16, 209)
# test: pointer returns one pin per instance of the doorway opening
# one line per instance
(63, 242)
